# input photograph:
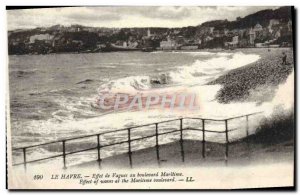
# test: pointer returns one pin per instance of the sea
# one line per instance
(53, 97)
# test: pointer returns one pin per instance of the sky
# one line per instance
(119, 17)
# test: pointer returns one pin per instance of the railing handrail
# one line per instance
(235, 117)
(253, 113)
(102, 146)
(129, 140)
(95, 134)
(133, 127)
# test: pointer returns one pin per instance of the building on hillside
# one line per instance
(208, 38)
(78, 42)
(169, 44)
(216, 33)
(265, 33)
(230, 34)
(252, 36)
(277, 34)
(272, 23)
(56, 41)
(132, 44)
(260, 45)
(180, 40)
(226, 31)
(189, 47)
(241, 33)
(56, 28)
(243, 42)
(258, 29)
(43, 29)
(234, 43)
(75, 28)
(235, 31)
(235, 39)
(41, 37)
(205, 30)
(148, 33)
(176, 31)
(284, 31)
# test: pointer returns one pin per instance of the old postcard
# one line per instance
(128, 97)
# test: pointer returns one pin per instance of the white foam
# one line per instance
(284, 97)
(211, 68)
(128, 84)
(200, 72)
(206, 94)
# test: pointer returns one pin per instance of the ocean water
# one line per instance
(53, 97)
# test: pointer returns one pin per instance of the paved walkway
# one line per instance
(171, 155)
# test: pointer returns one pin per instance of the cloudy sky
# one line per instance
(124, 16)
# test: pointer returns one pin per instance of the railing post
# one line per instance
(157, 144)
(24, 156)
(98, 147)
(129, 141)
(64, 153)
(181, 136)
(181, 140)
(227, 140)
(247, 125)
(129, 148)
(203, 136)
(156, 134)
(226, 131)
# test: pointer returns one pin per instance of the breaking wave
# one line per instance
(200, 72)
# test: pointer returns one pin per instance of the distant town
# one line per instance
(267, 28)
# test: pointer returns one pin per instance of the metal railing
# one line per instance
(129, 140)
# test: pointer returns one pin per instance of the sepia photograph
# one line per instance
(150, 97)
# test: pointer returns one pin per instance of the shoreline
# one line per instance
(159, 50)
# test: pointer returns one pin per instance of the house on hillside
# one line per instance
(277, 34)
(169, 44)
(211, 30)
(148, 33)
(180, 40)
(258, 29)
(252, 36)
(208, 38)
(41, 37)
(216, 33)
(226, 31)
(241, 33)
(272, 23)
(234, 43)
(243, 42)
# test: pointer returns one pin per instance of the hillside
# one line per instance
(211, 34)
(262, 17)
